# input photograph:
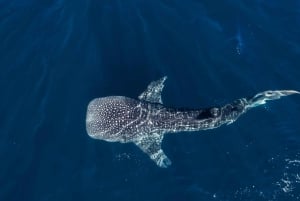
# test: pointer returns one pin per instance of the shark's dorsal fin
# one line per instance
(151, 145)
(153, 91)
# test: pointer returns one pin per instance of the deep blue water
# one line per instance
(56, 56)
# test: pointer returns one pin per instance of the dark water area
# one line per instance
(56, 56)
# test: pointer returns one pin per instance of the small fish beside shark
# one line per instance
(145, 120)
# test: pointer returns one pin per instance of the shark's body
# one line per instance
(145, 121)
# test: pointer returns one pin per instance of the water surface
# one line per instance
(55, 56)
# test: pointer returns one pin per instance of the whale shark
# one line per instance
(145, 120)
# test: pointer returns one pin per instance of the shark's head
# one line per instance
(107, 118)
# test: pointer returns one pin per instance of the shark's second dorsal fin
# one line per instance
(153, 91)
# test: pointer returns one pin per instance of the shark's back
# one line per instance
(112, 118)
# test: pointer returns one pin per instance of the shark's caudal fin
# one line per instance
(261, 98)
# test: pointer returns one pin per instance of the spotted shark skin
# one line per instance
(145, 120)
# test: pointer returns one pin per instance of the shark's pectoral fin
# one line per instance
(161, 159)
(153, 91)
(151, 145)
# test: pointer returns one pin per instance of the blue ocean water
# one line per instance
(56, 56)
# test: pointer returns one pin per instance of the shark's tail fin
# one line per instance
(261, 98)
